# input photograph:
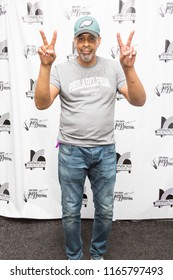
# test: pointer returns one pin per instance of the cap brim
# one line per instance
(86, 31)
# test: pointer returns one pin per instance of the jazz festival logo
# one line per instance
(124, 163)
(164, 88)
(123, 125)
(77, 11)
(3, 50)
(165, 198)
(34, 13)
(30, 50)
(162, 161)
(120, 196)
(30, 92)
(168, 53)
(4, 192)
(37, 160)
(127, 11)
(166, 9)
(35, 123)
(5, 125)
(166, 127)
(35, 194)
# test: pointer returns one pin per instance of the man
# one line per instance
(87, 88)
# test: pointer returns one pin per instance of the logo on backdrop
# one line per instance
(5, 125)
(4, 86)
(123, 162)
(34, 194)
(165, 198)
(3, 50)
(168, 52)
(30, 50)
(4, 192)
(85, 198)
(164, 88)
(5, 156)
(30, 92)
(162, 161)
(73, 54)
(77, 11)
(123, 125)
(166, 127)
(114, 51)
(3, 10)
(127, 11)
(34, 13)
(166, 9)
(37, 160)
(120, 196)
(34, 123)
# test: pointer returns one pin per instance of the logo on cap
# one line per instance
(86, 23)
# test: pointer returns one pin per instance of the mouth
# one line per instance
(86, 52)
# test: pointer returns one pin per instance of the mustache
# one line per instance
(86, 49)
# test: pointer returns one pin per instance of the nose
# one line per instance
(86, 43)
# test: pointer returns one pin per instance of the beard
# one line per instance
(86, 57)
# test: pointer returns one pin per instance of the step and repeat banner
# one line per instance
(29, 185)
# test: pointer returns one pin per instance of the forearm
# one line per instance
(42, 90)
(136, 91)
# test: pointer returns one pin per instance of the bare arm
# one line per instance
(45, 93)
(134, 91)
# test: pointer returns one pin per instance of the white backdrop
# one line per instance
(29, 185)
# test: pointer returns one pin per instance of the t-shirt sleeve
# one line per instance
(54, 78)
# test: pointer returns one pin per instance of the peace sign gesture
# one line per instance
(47, 51)
(127, 52)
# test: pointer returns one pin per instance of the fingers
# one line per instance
(53, 41)
(47, 49)
(129, 52)
(46, 52)
(126, 50)
(120, 43)
(50, 52)
(44, 39)
(129, 40)
(40, 51)
(132, 53)
(45, 42)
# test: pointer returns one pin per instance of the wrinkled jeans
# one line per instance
(99, 164)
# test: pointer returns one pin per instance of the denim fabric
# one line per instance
(99, 164)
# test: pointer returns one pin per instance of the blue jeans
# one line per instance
(99, 164)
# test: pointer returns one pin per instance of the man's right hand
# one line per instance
(47, 51)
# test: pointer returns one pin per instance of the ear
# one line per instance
(74, 40)
(98, 41)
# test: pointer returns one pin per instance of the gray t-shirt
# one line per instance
(87, 97)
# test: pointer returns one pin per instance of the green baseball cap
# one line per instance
(86, 24)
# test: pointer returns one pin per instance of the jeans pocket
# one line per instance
(109, 149)
(66, 149)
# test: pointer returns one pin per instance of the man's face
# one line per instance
(86, 45)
